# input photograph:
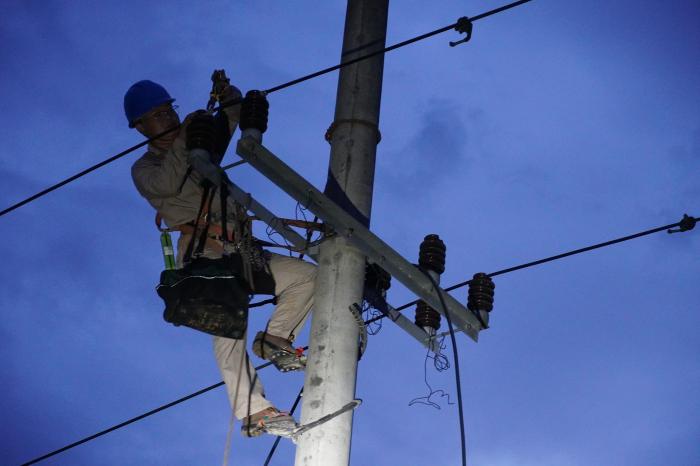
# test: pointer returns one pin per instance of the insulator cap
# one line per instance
(377, 278)
(254, 111)
(481, 293)
(201, 132)
(432, 254)
(426, 316)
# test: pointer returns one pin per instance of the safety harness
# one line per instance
(210, 295)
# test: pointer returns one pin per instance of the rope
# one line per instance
(229, 435)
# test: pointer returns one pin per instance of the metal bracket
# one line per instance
(464, 26)
(343, 224)
(261, 212)
(686, 224)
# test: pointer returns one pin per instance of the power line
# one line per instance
(133, 419)
(84, 172)
(688, 223)
(394, 47)
(458, 379)
(268, 91)
(277, 440)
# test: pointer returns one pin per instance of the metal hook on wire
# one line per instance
(464, 26)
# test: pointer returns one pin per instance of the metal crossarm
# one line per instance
(345, 225)
(247, 201)
(432, 343)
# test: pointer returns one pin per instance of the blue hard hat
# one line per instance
(142, 97)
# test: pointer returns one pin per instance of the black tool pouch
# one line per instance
(208, 295)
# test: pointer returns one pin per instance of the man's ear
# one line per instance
(139, 127)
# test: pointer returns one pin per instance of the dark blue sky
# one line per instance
(559, 125)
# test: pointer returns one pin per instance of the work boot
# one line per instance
(279, 351)
(269, 421)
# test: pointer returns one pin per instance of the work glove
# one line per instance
(201, 141)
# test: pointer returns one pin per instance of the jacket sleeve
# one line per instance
(226, 122)
(162, 178)
(233, 113)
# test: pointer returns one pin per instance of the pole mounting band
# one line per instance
(331, 129)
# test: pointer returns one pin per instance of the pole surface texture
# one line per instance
(331, 370)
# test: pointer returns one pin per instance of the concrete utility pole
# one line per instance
(331, 369)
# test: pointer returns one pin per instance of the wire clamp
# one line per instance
(687, 224)
(464, 26)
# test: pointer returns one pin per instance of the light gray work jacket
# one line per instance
(162, 178)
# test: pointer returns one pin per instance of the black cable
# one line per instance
(456, 363)
(683, 223)
(234, 164)
(268, 91)
(134, 419)
(277, 440)
(86, 171)
(272, 300)
(392, 47)
(553, 258)
(138, 418)
(371, 312)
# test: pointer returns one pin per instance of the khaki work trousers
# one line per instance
(294, 288)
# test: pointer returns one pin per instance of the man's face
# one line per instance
(158, 120)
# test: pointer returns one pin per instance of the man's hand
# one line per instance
(221, 89)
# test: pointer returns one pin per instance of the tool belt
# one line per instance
(209, 295)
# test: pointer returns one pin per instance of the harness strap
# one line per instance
(223, 191)
(190, 246)
(203, 236)
(159, 223)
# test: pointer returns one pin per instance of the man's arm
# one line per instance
(162, 178)
(233, 112)
(226, 121)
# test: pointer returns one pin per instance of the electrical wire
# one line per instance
(271, 232)
(137, 418)
(426, 400)
(440, 361)
(126, 423)
(268, 91)
(684, 224)
(234, 164)
(456, 366)
(393, 47)
(86, 171)
(277, 440)
(370, 312)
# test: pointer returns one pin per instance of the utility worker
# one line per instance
(163, 177)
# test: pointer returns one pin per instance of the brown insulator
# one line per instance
(426, 316)
(377, 278)
(254, 111)
(201, 132)
(481, 293)
(432, 254)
